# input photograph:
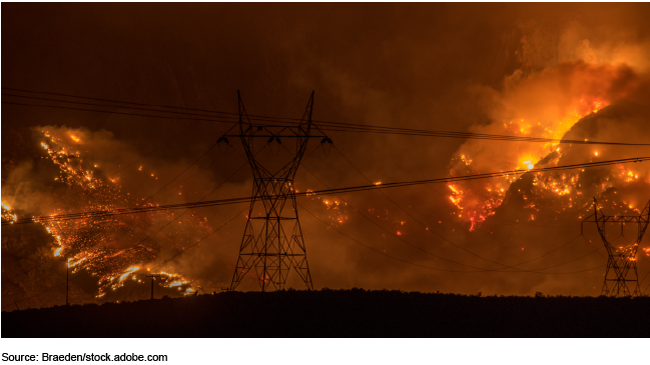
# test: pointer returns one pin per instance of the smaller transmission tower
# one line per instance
(621, 261)
(273, 243)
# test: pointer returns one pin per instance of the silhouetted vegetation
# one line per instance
(340, 313)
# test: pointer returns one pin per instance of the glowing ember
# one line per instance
(336, 208)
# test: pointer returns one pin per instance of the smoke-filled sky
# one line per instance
(578, 71)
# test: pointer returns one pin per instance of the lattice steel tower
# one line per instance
(273, 242)
(621, 261)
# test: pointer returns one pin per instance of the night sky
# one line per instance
(575, 71)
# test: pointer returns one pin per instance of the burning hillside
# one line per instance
(548, 105)
(112, 250)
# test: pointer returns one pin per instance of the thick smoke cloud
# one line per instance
(460, 67)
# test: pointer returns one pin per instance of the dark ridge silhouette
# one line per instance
(340, 313)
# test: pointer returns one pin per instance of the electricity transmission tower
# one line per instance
(621, 261)
(273, 242)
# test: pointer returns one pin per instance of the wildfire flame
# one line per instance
(8, 214)
(107, 249)
(523, 113)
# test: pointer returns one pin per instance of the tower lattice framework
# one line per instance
(621, 262)
(273, 242)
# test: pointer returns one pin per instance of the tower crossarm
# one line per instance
(622, 219)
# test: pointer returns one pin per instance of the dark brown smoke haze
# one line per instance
(515, 69)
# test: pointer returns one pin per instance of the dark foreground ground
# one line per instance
(340, 313)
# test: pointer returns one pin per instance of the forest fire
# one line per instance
(522, 113)
(108, 249)
(484, 201)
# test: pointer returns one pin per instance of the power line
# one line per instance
(200, 240)
(109, 112)
(430, 267)
(28, 270)
(366, 246)
(403, 240)
(213, 161)
(392, 234)
(182, 172)
(205, 196)
(163, 262)
(226, 117)
(399, 238)
(106, 213)
(46, 260)
(474, 254)
(412, 217)
(409, 175)
(113, 101)
(427, 226)
(132, 163)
